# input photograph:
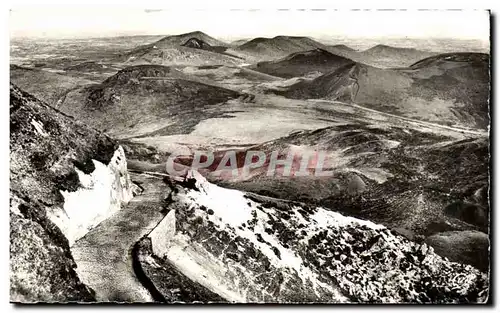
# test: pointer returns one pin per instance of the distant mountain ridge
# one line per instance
(341, 47)
(177, 40)
(194, 48)
(389, 56)
(258, 49)
(279, 46)
(387, 49)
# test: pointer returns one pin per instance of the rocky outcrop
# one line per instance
(249, 248)
(196, 43)
(65, 178)
(103, 193)
(162, 235)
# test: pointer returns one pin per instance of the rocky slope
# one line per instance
(249, 248)
(419, 184)
(455, 86)
(200, 44)
(47, 86)
(218, 245)
(196, 43)
(65, 179)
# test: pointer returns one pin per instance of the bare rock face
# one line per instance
(162, 235)
(249, 248)
(196, 44)
(355, 185)
(468, 247)
(54, 160)
(103, 192)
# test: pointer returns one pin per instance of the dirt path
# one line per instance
(104, 255)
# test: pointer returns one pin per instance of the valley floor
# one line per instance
(239, 125)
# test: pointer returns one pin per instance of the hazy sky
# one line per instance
(85, 22)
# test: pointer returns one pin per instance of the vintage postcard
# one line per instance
(241, 156)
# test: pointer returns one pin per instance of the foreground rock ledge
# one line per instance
(249, 248)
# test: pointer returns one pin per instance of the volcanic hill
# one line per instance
(279, 46)
(451, 89)
(195, 48)
(302, 63)
(144, 99)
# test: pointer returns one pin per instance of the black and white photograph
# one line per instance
(249, 156)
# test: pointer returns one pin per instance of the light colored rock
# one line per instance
(103, 192)
(39, 128)
(356, 185)
(162, 235)
(251, 249)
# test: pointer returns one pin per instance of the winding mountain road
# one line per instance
(104, 255)
(415, 122)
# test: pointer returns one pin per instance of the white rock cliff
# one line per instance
(103, 193)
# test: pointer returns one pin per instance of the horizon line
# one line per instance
(236, 37)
